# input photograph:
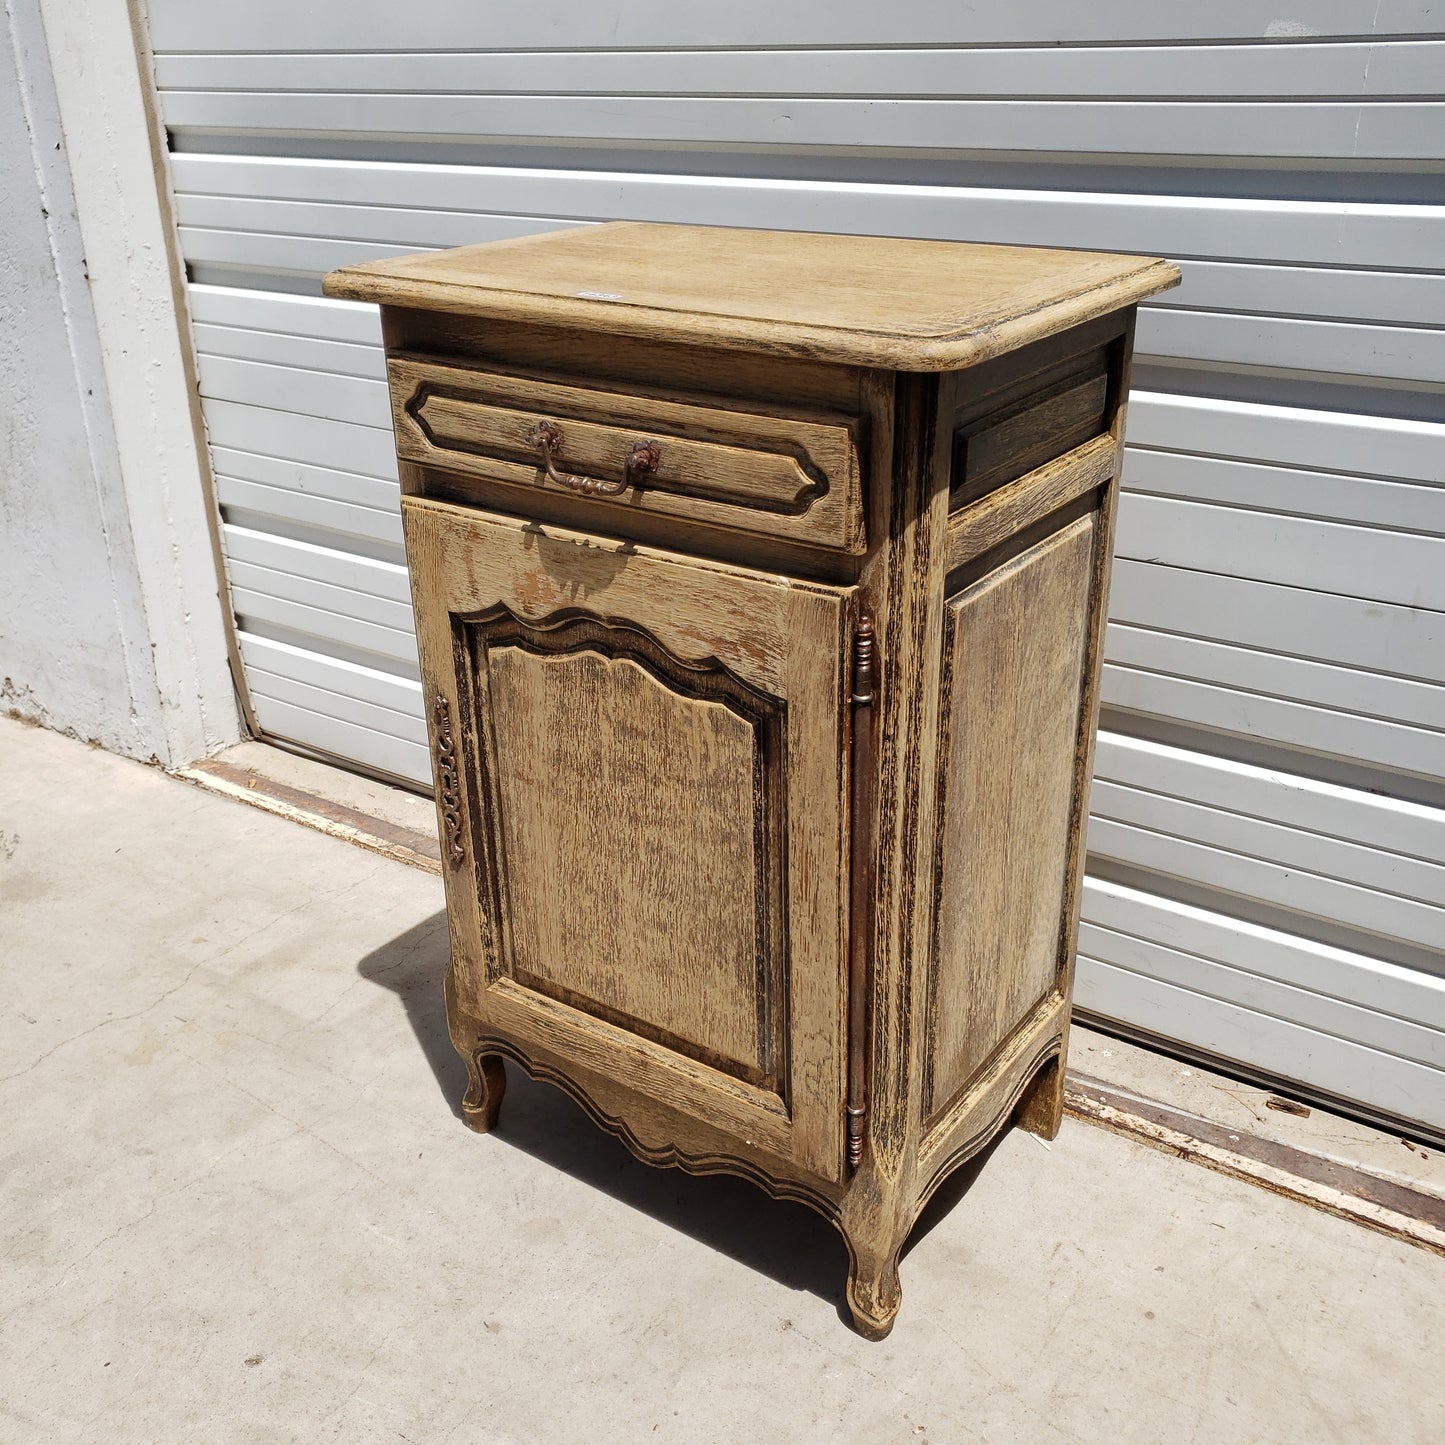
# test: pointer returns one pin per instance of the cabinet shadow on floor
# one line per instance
(787, 1242)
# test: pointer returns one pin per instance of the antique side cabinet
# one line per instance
(760, 584)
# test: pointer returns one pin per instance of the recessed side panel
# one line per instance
(636, 823)
(1031, 424)
(1014, 652)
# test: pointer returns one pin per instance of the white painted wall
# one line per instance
(110, 621)
(73, 651)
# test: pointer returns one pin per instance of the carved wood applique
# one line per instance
(448, 787)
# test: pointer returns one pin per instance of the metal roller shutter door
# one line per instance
(1267, 865)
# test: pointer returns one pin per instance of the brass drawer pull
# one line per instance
(644, 458)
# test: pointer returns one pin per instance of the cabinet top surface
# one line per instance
(857, 300)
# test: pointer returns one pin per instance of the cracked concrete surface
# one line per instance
(237, 1205)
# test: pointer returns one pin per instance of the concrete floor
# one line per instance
(237, 1205)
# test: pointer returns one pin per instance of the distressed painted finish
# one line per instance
(770, 835)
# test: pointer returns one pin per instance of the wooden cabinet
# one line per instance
(759, 586)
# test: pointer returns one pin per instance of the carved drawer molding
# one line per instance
(787, 476)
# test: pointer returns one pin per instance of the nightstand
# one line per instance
(760, 586)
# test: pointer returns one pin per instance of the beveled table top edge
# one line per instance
(944, 347)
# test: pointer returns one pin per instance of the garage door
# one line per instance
(1267, 849)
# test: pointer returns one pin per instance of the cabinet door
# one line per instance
(641, 781)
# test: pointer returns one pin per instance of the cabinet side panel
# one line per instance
(1014, 651)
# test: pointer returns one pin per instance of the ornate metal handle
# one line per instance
(644, 458)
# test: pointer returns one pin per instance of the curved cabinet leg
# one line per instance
(483, 1100)
(1041, 1110)
(874, 1293)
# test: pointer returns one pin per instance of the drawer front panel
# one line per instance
(789, 477)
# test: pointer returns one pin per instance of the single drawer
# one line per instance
(790, 477)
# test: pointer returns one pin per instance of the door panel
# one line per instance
(617, 777)
(653, 750)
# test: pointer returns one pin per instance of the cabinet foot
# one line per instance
(874, 1293)
(483, 1100)
(1041, 1110)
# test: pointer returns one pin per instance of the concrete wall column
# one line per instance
(111, 623)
